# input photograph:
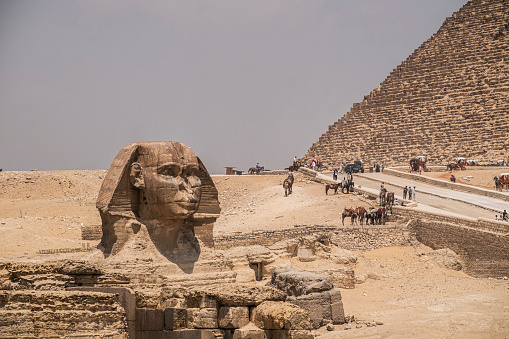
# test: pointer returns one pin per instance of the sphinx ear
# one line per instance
(136, 176)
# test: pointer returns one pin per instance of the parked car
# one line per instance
(354, 168)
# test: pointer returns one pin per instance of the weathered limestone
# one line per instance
(233, 317)
(447, 99)
(313, 292)
(154, 195)
(274, 315)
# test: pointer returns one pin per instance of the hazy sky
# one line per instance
(239, 81)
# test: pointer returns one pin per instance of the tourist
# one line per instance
(453, 178)
(383, 166)
(409, 192)
(497, 218)
(382, 186)
(413, 193)
(335, 174)
(295, 161)
(504, 215)
(405, 191)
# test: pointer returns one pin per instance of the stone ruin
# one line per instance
(156, 273)
(447, 99)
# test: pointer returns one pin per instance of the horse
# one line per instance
(254, 170)
(349, 212)
(389, 200)
(288, 184)
(361, 213)
(331, 186)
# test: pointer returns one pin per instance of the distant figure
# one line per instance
(504, 215)
(405, 191)
(383, 166)
(409, 192)
(257, 166)
(382, 186)
(295, 161)
(341, 168)
(453, 178)
(497, 218)
(413, 193)
(335, 174)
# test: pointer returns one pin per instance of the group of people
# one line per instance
(410, 191)
(503, 217)
(498, 185)
(335, 171)
(377, 167)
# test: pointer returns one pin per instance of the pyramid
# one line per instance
(449, 98)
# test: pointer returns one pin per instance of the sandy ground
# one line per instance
(414, 296)
(476, 177)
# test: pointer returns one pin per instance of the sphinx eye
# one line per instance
(190, 171)
(170, 170)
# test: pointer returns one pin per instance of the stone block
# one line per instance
(233, 317)
(273, 315)
(156, 334)
(318, 306)
(140, 319)
(206, 318)
(191, 315)
(175, 319)
(289, 334)
(154, 320)
(191, 334)
(249, 333)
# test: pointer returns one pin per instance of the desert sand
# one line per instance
(404, 288)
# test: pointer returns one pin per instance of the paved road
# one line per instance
(462, 203)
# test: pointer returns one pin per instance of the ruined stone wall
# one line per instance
(59, 314)
(485, 254)
(365, 239)
(447, 99)
(449, 184)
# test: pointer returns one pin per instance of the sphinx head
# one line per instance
(166, 175)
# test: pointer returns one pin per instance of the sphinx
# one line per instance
(157, 195)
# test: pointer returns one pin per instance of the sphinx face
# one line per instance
(171, 186)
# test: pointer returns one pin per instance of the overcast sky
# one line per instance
(240, 82)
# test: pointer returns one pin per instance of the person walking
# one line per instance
(405, 191)
(413, 193)
(335, 174)
(409, 192)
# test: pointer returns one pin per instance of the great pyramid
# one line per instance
(449, 98)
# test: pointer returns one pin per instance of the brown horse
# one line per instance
(349, 212)
(332, 186)
(361, 213)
